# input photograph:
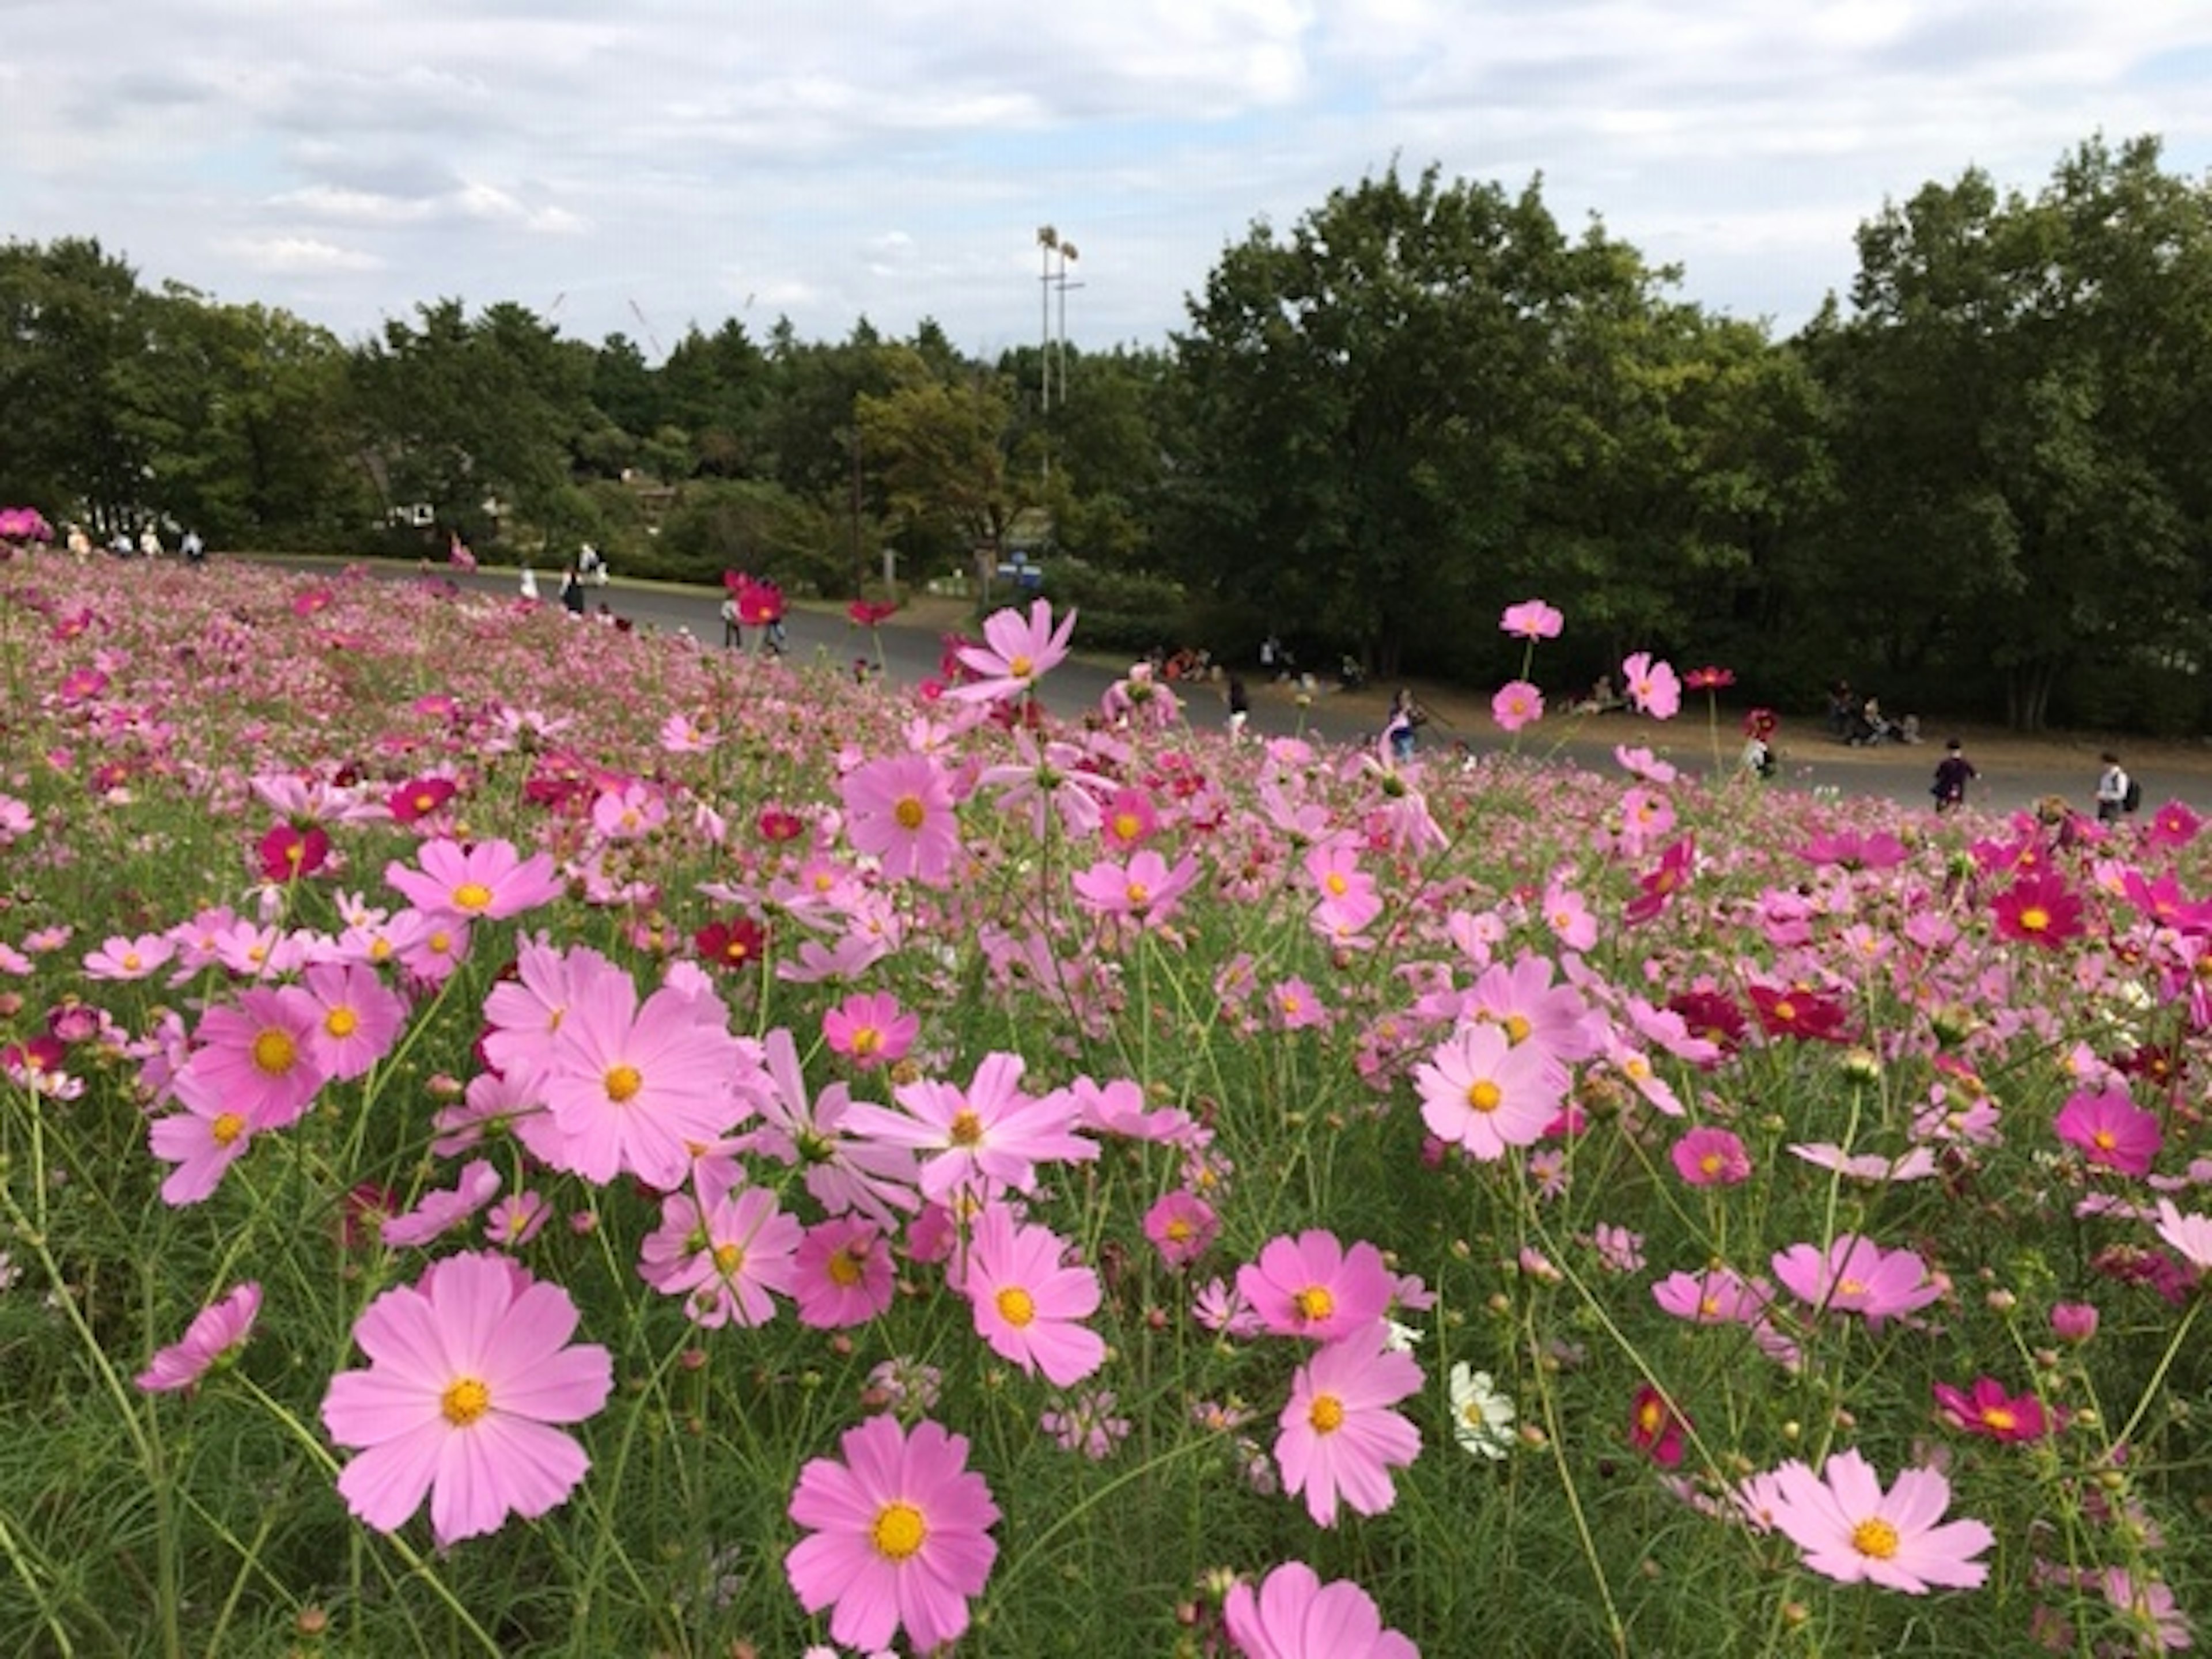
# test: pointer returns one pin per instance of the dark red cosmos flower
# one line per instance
(418, 798)
(1656, 1429)
(1711, 1015)
(732, 946)
(778, 824)
(1708, 678)
(1799, 1012)
(286, 852)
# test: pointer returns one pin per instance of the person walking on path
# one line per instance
(1240, 706)
(1952, 773)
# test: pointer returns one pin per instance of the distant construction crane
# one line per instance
(651, 338)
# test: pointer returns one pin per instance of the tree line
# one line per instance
(1979, 482)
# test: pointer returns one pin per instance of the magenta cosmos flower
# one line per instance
(1851, 1530)
(1988, 1410)
(1532, 619)
(1016, 652)
(485, 880)
(1856, 1275)
(1312, 1286)
(1482, 1092)
(469, 1370)
(899, 810)
(1029, 1303)
(900, 1535)
(216, 1331)
(1339, 1438)
(1711, 1157)
(2110, 1130)
(2039, 909)
(1293, 1615)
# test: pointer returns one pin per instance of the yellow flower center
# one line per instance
(866, 1039)
(2103, 1140)
(966, 1129)
(465, 1402)
(439, 942)
(1016, 1306)
(471, 895)
(226, 1129)
(1485, 1096)
(132, 961)
(844, 1267)
(899, 1531)
(1314, 1302)
(274, 1054)
(1517, 1028)
(1326, 1413)
(1127, 826)
(380, 949)
(2035, 918)
(910, 813)
(340, 1021)
(1180, 1230)
(1020, 668)
(1874, 1537)
(1138, 894)
(2002, 1418)
(730, 1258)
(1337, 885)
(1850, 1287)
(1710, 1164)
(1785, 1011)
(623, 1082)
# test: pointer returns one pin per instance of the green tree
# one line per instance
(937, 446)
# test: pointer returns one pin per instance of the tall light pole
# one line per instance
(1060, 285)
(1047, 244)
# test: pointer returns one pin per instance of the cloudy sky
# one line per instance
(645, 166)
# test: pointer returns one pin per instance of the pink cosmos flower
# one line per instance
(845, 1171)
(1029, 1305)
(216, 1331)
(723, 1258)
(1339, 1437)
(2110, 1130)
(2190, 1235)
(1481, 1091)
(203, 1140)
(1515, 704)
(120, 958)
(1711, 1157)
(1016, 654)
(1312, 1286)
(358, 1018)
(1717, 1296)
(469, 1369)
(1532, 619)
(1182, 1227)
(1295, 1616)
(485, 880)
(900, 810)
(898, 1535)
(1988, 1410)
(1144, 890)
(1856, 1275)
(635, 1089)
(2039, 909)
(870, 1029)
(258, 1059)
(1652, 686)
(1086, 1423)
(439, 1211)
(1850, 1529)
(987, 1136)
(841, 1274)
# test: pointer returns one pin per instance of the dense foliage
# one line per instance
(1977, 483)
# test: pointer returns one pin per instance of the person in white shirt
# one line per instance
(2111, 789)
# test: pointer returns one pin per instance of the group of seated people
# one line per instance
(1860, 721)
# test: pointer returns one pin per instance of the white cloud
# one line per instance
(297, 256)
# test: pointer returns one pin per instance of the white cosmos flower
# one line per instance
(1482, 1418)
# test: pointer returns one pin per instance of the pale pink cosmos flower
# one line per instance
(1144, 890)
(1856, 1275)
(634, 1089)
(203, 1140)
(1569, 916)
(724, 1258)
(1182, 1227)
(1532, 619)
(120, 958)
(898, 1535)
(1313, 1287)
(1086, 1423)
(1339, 1439)
(1652, 686)
(1852, 1531)
(469, 1371)
(1916, 1164)
(1716, 1297)
(358, 1017)
(216, 1331)
(1029, 1305)
(989, 1136)
(1515, 704)
(1643, 763)
(1294, 1615)
(2190, 1235)
(845, 1171)
(1016, 653)
(484, 880)
(1484, 1094)
(439, 1211)
(900, 810)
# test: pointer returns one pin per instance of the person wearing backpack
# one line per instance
(2117, 792)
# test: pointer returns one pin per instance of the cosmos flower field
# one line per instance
(523, 1136)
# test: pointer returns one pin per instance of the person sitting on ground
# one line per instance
(1952, 773)
(1843, 709)
(1602, 699)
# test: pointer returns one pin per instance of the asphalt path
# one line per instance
(1900, 774)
